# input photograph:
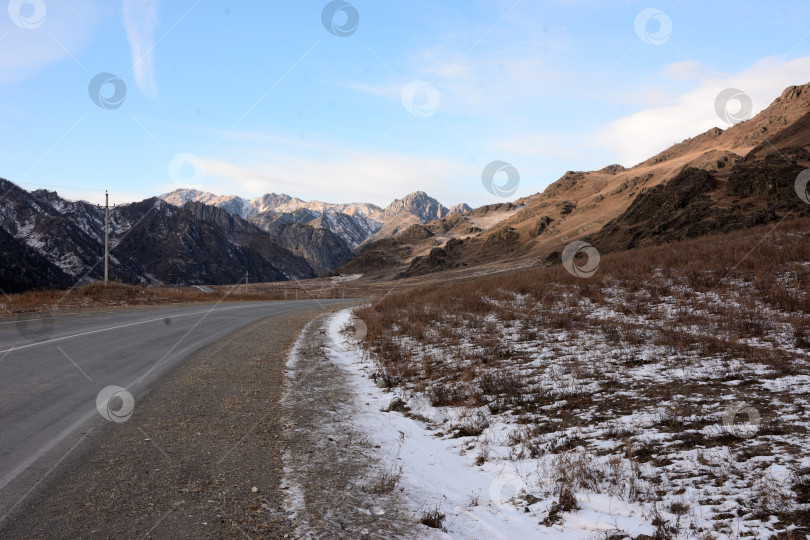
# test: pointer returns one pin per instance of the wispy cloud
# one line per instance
(64, 34)
(140, 20)
(647, 132)
(331, 171)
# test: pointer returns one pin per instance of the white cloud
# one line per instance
(683, 71)
(354, 177)
(503, 77)
(643, 134)
(65, 29)
(333, 173)
(140, 20)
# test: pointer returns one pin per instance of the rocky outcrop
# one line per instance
(352, 229)
(419, 204)
(461, 208)
(321, 248)
(612, 169)
(414, 233)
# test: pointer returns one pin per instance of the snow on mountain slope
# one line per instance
(353, 222)
(353, 229)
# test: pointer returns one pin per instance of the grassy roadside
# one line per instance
(119, 295)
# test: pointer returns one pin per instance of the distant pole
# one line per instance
(246, 281)
(106, 239)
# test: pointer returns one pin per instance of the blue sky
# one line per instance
(254, 97)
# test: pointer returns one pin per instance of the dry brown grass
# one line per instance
(671, 330)
(723, 289)
(95, 295)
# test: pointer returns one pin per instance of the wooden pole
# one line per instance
(106, 239)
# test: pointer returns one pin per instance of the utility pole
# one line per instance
(106, 239)
(246, 281)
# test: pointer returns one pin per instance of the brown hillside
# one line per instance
(714, 182)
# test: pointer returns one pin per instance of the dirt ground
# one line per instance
(341, 484)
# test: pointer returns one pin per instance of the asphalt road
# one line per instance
(52, 372)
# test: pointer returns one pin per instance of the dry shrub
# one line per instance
(432, 518)
(470, 425)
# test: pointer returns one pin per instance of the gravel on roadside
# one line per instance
(341, 483)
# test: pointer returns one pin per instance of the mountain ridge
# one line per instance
(357, 223)
(151, 242)
(716, 181)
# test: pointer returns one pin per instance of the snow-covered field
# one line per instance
(499, 499)
(686, 417)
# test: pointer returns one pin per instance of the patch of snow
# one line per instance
(479, 501)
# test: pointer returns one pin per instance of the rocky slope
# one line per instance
(354, 229)
(323, 250)
(23, 268)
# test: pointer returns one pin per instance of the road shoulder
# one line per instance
(186, 463)
(341, 482)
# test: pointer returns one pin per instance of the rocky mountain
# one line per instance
(419, 204)
(413, 209)
(321, 248)
(285, 203)
(271, 202)
(173, 245)
(717, 181)
(355, 223)
(47, 241)
(233, 204)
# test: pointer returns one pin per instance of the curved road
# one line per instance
(53, 369)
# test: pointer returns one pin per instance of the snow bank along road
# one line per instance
(54, 372)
